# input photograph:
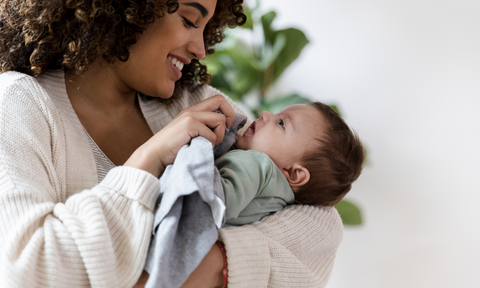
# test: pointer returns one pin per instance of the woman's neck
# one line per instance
(100, 89)
(109, 112)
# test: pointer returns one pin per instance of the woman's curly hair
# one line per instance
(40, 35)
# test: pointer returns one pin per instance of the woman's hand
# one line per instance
(198, 120)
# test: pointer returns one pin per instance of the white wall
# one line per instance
(406, 74)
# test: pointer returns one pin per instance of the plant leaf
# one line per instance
(270, 55)
(277, 104)
(335, 108)
(349, 213)
(219, 82)
(268, 32)
(249, 23)
(295, 41)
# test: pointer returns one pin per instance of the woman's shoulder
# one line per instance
(45, 90)
(17, 88)
(12, 79)
(27, 98)
(13, 83)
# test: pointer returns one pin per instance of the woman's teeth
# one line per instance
(177, 63)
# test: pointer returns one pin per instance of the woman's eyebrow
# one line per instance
(199, 6)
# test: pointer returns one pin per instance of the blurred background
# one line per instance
(406, 76)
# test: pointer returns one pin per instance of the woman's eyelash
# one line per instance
(188, 23)
(280, 122)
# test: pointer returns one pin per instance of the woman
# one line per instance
(73, 108)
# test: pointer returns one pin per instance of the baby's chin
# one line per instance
(240, 144)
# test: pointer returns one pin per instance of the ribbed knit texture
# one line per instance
(103, 164)
(294, 247)
(59, 227)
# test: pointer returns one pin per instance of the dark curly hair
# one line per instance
(40, 35)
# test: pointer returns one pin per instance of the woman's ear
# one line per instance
(297, 175)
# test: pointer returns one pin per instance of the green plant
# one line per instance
(246, 71)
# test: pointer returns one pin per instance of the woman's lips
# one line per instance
(176, 72)
(177, 63)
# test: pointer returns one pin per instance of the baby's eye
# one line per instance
(280, 122)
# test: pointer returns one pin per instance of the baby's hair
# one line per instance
(334, 165)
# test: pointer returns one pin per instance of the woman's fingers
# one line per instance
(216, 102)
(209, 125)
(198, 120)
(205, 132)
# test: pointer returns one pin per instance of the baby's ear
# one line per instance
(297, 175)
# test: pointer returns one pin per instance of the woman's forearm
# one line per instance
(209, 273)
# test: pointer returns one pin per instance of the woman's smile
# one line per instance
(158, 58)
(177, 62)
(176, 65)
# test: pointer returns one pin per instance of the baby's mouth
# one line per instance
(251, 128)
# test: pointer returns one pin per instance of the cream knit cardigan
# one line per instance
(60, 228)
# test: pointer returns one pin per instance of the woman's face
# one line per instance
(156, 60)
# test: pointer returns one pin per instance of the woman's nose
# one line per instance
(197, 47)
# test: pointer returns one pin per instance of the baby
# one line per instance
(305, 154)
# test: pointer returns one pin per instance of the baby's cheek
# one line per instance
(241, 143)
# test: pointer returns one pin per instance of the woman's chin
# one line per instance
(162, 94)
(165, 97)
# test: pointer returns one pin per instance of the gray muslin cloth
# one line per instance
(189, 211)
(230, 135)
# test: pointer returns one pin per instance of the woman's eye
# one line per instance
(188, 23)
(281, 123)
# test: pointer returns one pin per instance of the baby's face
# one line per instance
(285, 136)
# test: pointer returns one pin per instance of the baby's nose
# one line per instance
(265, 115)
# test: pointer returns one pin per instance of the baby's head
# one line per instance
(313, 147)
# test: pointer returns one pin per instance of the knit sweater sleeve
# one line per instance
(295, 247)
(97, 237)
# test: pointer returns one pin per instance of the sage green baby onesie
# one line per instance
(254, 186)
